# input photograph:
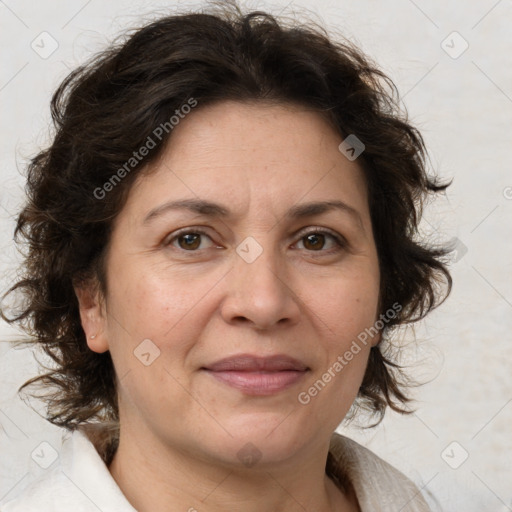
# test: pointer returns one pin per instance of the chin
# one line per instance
(261, 439)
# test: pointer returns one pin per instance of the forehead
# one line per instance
(255, 133)
(251, 155)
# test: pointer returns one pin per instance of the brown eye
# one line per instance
(322, 241)
(190, 241)
(314, 241)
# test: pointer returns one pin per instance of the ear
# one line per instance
(92, 315)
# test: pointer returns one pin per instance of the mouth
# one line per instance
(258, 376)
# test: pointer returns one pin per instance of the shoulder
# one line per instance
(378, 485)
(80, 482)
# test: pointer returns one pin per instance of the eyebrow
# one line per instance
(210, 209)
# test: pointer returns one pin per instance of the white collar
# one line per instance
(83, 466)
(82, 481)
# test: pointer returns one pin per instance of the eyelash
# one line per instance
(339, 240)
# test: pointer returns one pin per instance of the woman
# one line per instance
(221, 237)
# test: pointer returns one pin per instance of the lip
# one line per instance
(256, 375)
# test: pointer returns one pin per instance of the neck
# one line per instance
(163, 478)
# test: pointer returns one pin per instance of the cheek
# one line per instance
(346, 313)
(154, 321)
(347, 308)
(170, 310)
(153, 303)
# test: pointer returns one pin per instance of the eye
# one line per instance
(316, 240)
(188, 240)
(191, 240)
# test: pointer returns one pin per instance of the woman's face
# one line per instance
(246, 270)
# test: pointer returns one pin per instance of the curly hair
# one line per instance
(107, 108)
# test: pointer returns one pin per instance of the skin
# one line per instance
(181, 429)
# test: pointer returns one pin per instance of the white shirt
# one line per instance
(81, 482)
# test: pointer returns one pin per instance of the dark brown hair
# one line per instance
(107, 109)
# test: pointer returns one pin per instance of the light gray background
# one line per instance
(463, 106)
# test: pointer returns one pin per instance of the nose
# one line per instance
(260, 293)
